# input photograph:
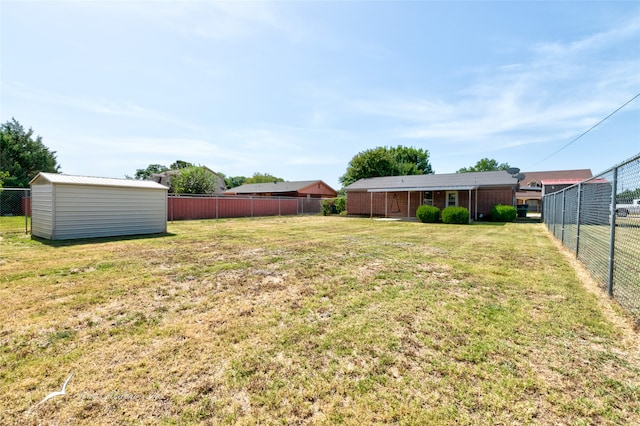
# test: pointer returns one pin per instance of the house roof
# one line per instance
(274, 187)
(580, 174)
(435, 182)
(57, 178)
(561, 181)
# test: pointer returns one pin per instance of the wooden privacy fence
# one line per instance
(187, 207)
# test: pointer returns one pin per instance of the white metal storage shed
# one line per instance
(68, 207)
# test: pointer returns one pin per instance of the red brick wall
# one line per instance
(487, 198)
(391, 204)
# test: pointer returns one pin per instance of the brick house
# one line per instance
(536, 184)
(307, 188)
(400, 196)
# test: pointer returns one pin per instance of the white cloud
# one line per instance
(217, 20)
(599, 41)
(555, 95)
(124, 108)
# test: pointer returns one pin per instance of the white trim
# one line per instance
(425, 188)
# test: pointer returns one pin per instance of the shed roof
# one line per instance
(57, 178)
(435, 182)
(271, 187)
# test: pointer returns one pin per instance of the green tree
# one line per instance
(179, 164)
(152, 169)
(3, 176)
(194, 180)
(485, 165)
(623, 197)
(385, 161)
(411, 161)
(263, 178)
(234, 181)
(142, 174)
(22, 156)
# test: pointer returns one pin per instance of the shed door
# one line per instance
(452, 198)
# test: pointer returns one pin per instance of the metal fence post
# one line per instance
(612, 233)
(554, 214)
(27, 211)
(564, 204)
(578, 218)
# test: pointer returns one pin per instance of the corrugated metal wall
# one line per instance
(42, 211)
(86, 211)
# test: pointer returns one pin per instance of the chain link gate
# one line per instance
(15, 211)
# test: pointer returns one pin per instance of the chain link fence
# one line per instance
(15, 210)
(599, 220)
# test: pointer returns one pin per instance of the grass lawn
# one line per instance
(318, 320)
(14, 224)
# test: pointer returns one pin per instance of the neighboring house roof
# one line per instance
(306, 186)
(561, 181)
(538, 177)
(553, 177)
(435, 182)
(57, 178)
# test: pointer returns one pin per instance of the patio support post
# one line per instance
(476, 203)
(386, 202)
(371, 210)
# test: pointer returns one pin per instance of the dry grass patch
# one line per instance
(311, 320)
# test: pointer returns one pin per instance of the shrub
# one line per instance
(455, 215)
(341, 204)
(327, 207)
(503, 213)
(428, 214)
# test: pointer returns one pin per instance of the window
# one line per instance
(452, 198)
(428, 198)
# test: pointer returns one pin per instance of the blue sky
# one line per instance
(297, 88)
